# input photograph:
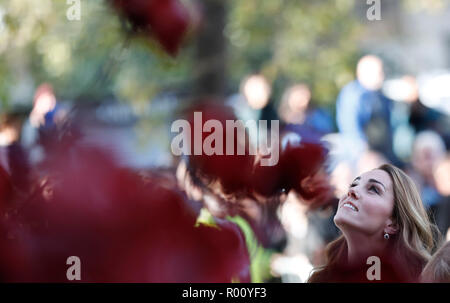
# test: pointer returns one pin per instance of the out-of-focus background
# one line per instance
(375, 90)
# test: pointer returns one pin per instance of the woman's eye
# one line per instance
(353, 185)
(373, 188)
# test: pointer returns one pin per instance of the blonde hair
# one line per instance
(438, 268)
(413, 243)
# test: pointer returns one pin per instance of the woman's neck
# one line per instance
(360, 247)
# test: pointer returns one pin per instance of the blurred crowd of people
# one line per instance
(284, 212)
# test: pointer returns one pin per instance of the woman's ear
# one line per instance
(391, 227)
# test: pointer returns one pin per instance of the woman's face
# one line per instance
(367, 207)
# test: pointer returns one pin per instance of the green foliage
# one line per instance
(94, 57)
(287, 40)
(313, 42)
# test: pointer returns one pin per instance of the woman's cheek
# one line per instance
(370, 211)
(377, 210)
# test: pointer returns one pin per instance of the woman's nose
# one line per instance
(353, 193)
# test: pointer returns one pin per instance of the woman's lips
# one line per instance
(350, 205)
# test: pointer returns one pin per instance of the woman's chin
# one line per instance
(342, 221)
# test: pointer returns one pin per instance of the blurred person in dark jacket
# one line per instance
(428, 152)
(15, 159)
(296, 108)
(363, 112)
(441, 211)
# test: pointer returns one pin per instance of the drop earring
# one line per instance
(386, 236)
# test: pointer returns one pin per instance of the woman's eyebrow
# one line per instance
(356, 179)
(376, 181)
